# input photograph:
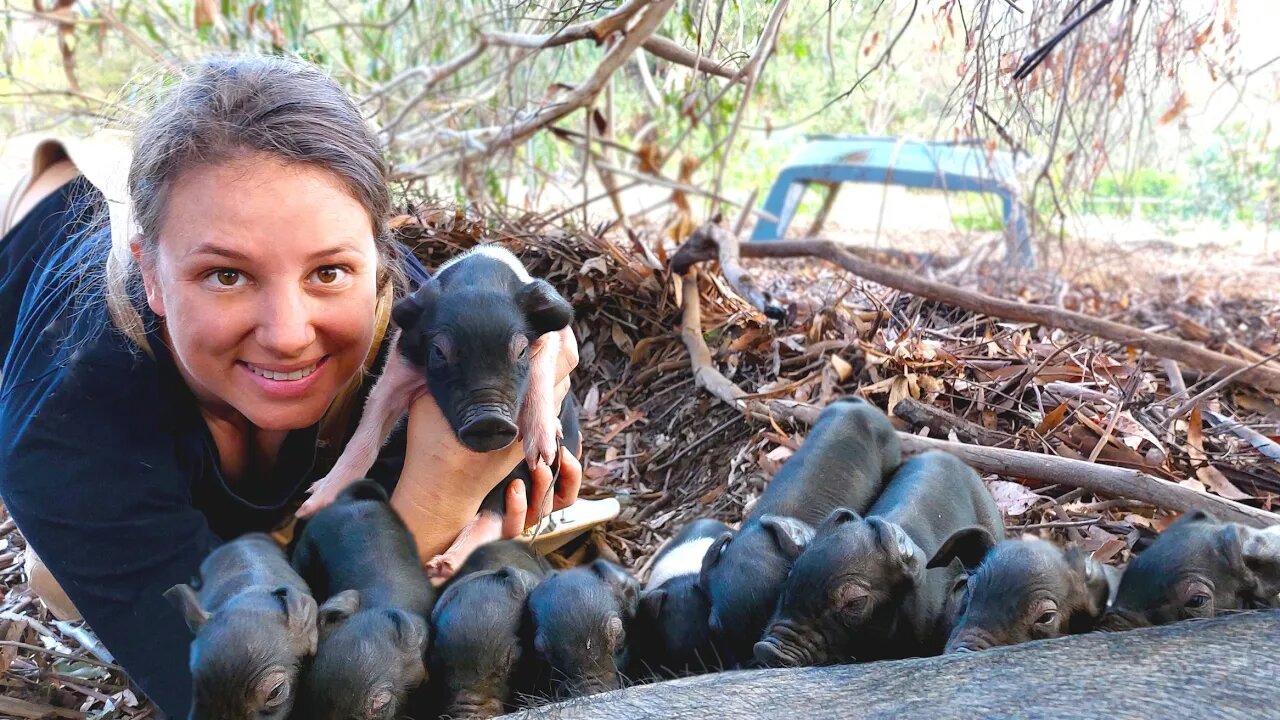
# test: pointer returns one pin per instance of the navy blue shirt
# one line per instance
(106, 464)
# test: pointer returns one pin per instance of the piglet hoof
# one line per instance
(540, 444)
(441, 567)
(323, 492)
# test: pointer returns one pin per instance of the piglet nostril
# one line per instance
(487, 432)
(769, 653)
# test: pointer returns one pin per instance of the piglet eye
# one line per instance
(1047, 617)
(519, 347)
(1198, 601)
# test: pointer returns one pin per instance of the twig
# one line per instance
(1186, 407)
(1009, 463)
(921, 414)
(711, 237)
(1161, 346)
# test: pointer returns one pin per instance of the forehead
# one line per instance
(260, 207)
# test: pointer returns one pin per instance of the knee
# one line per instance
(47, 588)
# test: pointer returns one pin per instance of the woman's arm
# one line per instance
(97, 494)
(443, 482)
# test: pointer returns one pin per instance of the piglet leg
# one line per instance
(485, 527)
(539, 420)
(396, 389)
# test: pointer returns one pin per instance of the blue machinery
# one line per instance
(832, 160)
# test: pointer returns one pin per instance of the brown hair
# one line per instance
(227, 107)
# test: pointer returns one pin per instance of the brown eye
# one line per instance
(227, 278)
(329, 274)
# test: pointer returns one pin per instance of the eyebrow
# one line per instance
(232, 254)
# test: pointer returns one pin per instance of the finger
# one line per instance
(562, 389)
(567, 359)
(540, 504)
(570, 482)
(517, 507)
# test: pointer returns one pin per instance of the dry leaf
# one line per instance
(1109, 549)
(843, 369)
(1207, 474)
(780, 453)
(899, 390)
(1012, 498)
(591, 403)
(621, 340)
(1179, 104)
(1053, 419)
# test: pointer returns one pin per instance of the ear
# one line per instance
(519, 582)
(407, 311)
(185, 600)
(337, 609)
(300, 612)
(969, 545)
(792, 535)
(651, 603)
(711, 558)
(1260, 550)
(898, 546)
(411, 631)
(148, 267)
(625, 587)
(838, 517)
(613, 629)
(1092, 579)
(1197, 516)
(544, 308)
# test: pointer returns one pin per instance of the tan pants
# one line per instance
(48, 589)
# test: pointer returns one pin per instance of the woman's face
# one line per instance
(265, 274)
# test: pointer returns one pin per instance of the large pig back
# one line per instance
(844, 462)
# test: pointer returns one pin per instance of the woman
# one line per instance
(181, 377)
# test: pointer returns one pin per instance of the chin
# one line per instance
(275, 417)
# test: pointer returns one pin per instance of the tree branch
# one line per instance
(1009, 463)
(670, 51)
(1187, 353)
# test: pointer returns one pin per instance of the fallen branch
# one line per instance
(1187, 353)
(921, 414)
(722, 245)
(1103, 479)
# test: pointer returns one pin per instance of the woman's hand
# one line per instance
(443, 482)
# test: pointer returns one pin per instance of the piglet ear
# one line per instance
(187, 603)
(969, 545)
(411, 631)
(792, 535)
(613, 628)
(519, 582)
(1260, 550)
(1092, 578)
(651, 603)
(544, 308)
(300, 613)
(407, 311)
(838, 517)
(711, 558)
(337, 609)
(625, 587)
(898, 546)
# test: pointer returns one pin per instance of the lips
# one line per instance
(283, 381)
(286, 376)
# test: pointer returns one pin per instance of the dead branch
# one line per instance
(723, 245)
(1010, 463)
(1187, 353)
(921, 414)
(671, 51)
(597, 30)
(646, 23)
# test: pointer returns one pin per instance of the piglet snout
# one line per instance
(488, 431)
(969, 641)
(469, 706)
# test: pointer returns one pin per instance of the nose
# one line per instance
(487, 432)
(770, 653)
(285, 326)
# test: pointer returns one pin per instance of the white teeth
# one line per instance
(272, 375)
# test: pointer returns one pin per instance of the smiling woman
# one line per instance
(178, 377)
